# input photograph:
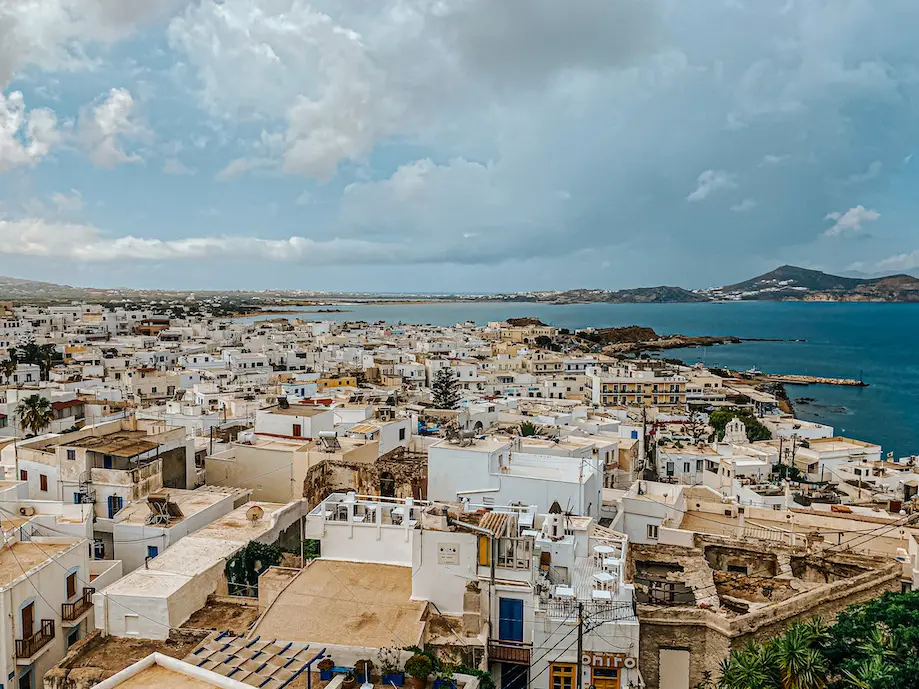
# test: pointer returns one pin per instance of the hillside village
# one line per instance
(213, 502)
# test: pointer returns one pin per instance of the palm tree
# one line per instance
(752, 667)
(8, 368)
(528, 428)
(46, 355)
(800, 665)
(35, 413)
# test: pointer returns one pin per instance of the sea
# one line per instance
(878, 343)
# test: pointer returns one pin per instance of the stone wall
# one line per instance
(403, 474)
(710, 636)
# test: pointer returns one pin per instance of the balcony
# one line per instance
(72, 612)
(509, 651)
(28, 648)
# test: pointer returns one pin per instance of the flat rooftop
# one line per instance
(487, 444)
(348, 604)
(18, 558)
(115, 653)
(120, 443)
(304, 410)
(157, 676)
(222, 615)
(190, 502)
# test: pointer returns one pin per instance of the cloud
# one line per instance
(711, 181)
(26, 137)
(771, 159)
(873, 171)
(68, 204)
(304, 199)
(103, 128)
(85, 243)
(240, 166)
(744, 206)
(899, 262)
(851, 222)
(174, 166)
(60, 34)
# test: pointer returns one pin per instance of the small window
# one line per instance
(71, 585)
(23, 475)
(653, 531)
(738, 569)
(152, 551)
(401, 434)
(76, 498)
(43, 482)
(71, 454)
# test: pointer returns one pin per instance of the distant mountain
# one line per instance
(793, 283)
(15, 289)
(638, 295)
(786, 283)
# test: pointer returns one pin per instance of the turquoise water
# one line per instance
(878, 342)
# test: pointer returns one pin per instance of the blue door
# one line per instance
(510, 623)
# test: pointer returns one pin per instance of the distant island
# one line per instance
(786, 283)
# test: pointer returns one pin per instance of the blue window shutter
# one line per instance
(510, 623)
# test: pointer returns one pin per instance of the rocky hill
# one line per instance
(790, 283)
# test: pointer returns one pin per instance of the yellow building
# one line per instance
(336, 382)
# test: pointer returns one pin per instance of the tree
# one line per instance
(528, 428)
(46, 356)
(543, 341)
(720, 418)
(874, 645)
(446, 389)
(8, 368)
(35, 413)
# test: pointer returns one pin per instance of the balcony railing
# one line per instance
(28, 647)
(509, 651)
(72, 611)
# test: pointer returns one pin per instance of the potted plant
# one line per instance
(325, 669)
(444, 678)
(390, 674)
(362, 669)
(418, 667)
(349, 680)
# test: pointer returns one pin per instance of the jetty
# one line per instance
(795, 379)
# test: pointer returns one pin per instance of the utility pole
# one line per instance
(580, 677)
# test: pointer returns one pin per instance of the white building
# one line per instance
(492, 469)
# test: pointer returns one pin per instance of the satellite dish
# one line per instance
(254, 513)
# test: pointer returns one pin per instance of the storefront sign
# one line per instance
(611, 660)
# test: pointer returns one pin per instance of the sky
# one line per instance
(455, 145)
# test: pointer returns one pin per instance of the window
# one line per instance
(76, 498)
(152, 551)
(401, 434)
(653, 530)
(561, 676)
(43, 482)
(153, 390)
(71, 585)
(114, 505)
(71, 454)
(698, 465)
(23, 475)
(298, 430)
(685, 467)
